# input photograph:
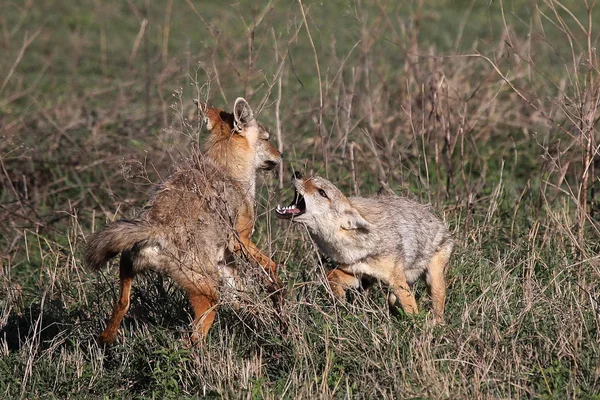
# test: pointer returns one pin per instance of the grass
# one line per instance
(489, 112)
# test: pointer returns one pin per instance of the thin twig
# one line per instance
(27, 40)
(320, 120)
(277, 113)
(166, 32)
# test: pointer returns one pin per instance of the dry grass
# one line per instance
(491, 117)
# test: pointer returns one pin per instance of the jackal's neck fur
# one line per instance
(341, 245)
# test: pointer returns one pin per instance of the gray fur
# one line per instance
(187, 227)
(114, 239)
(389, 238)
(183, 230)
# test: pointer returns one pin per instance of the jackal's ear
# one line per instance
(242, 113)
(352, 220)
(210, 115)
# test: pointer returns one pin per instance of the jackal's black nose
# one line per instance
(269, 165)
(297, 175)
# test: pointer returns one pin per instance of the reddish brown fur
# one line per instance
(309, 187)
(233, 152)
(339, 281)
(230, 151)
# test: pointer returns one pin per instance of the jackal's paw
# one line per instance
(437, 320)
(277, 292)
(274, 284)
(196, 339)
(339, 292)
(107, 338)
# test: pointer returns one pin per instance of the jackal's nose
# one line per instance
(297, 175)
(269, 165)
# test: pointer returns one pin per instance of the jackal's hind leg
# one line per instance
(436, 283)
(204, 298)
(126, 275)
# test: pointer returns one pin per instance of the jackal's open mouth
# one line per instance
(298, 207)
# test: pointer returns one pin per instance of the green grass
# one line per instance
(88, 127)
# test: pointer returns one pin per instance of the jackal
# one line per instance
(388, 238)
(194, 220)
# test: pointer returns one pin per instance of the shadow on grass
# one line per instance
(41, 321)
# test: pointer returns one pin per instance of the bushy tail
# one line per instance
(113, 239)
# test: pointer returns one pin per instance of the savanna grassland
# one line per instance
(487, 110)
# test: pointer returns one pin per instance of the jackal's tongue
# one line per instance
(297, 207)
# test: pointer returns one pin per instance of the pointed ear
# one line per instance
(242, 113)
(352, 220)
(211, 115)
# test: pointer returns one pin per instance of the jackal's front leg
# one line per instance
(402, 292)
(340, 280)
(244, 245)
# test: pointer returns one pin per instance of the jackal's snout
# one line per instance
(268, 156)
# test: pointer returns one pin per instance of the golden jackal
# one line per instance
(195, 219)
(389, 238)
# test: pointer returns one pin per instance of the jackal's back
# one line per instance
(402, 226)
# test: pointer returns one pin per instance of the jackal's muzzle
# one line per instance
(298, 205)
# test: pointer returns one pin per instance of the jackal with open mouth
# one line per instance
(388, 238)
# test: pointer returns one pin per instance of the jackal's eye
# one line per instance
(323, 194)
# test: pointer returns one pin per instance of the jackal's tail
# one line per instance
(113, 239)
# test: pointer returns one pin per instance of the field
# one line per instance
(488, 111)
